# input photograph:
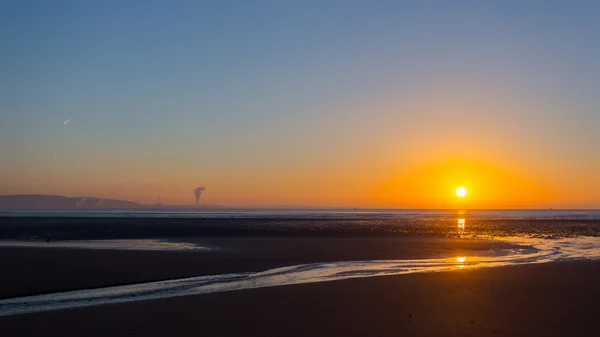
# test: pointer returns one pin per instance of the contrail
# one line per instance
(67, 121)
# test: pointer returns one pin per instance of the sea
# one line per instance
(570, 214)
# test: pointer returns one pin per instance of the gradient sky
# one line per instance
(320, 103)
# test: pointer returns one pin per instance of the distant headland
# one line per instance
(40, 201)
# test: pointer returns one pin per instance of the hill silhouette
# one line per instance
(37, 201)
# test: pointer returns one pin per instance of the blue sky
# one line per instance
(269, 93)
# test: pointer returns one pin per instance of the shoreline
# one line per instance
(65, 269)
(551, 299)
(540, 299)
(92, 228)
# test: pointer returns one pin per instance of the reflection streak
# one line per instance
(532, 250)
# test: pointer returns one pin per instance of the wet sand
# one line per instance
(29, 271)
(93, 228)
(554, 299)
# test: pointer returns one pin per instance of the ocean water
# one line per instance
(153, 245)
(156, 224)
(342, 213)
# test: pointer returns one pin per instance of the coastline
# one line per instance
(551, 299)
(32, 271)
(539, 299)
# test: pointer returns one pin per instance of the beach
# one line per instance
(300, 168)
(40, 270)
(526, 297)
(552, 299)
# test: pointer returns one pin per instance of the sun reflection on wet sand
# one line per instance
(461, 227)
(461, 260)
(531, 250)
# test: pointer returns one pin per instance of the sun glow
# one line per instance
(461, 192)
(486, 185)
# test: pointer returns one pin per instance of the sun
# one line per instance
(461, 192)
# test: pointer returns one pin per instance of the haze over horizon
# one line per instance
(369, 104)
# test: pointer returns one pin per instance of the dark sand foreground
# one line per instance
(556, 299)
(30, 271)
(559, 299)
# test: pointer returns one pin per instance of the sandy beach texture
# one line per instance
(30, 271)
(555, 299)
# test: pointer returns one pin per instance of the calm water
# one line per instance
(162, 245)
(157, 224)
(314, 213)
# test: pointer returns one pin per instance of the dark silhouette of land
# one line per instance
(40, 201)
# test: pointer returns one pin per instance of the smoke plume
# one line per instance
(198, 192)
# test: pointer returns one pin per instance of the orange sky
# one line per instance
(418, 186)
(369, 160)
(304, 103)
